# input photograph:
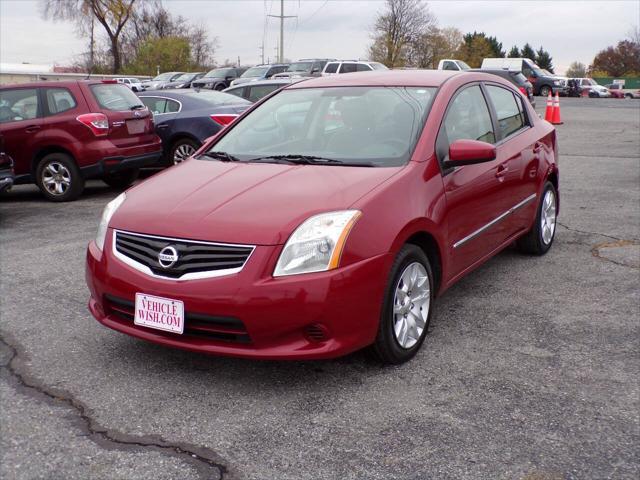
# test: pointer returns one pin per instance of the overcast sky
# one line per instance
(569, 30)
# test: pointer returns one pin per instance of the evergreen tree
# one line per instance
(514, 52)
(528, 52)
(544, 60)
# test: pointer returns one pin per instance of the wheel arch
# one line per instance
(44, 151)
(429, 245)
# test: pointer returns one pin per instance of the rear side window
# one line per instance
(19, 104)
(348, 68)
(331, 68)
(449, 66)
(362, 67)
(510, 118)
(236, 91)
(468, 117)
(259, 91)
(112, 96)
(158, 106)
(59, 100)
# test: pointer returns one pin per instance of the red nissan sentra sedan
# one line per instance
(328, 217)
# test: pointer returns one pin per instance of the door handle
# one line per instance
(32, 128)
(502, 171)
(161, 127)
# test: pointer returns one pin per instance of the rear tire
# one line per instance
(121, 180)
(182, 149)
(539, 239)
(59, 178)
(407, 307)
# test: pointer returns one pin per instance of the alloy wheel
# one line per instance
(56, 178)
(183, 152)
(411, 305)
(548, 217)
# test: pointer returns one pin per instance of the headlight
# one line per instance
(317, 244)
(556, 82)
(107, 213)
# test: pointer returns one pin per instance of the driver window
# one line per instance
(468, 117)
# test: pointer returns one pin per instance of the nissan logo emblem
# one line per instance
(168, 257)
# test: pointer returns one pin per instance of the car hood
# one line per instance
(248, 203)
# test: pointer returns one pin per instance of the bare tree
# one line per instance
(113, 15)
(402, 23)
(202, 47)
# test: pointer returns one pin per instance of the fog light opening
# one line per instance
(316, 332)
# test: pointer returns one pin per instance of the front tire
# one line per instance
(59, 178)
(407, 307)
(121, 180)
(539, 239)
(544, 91)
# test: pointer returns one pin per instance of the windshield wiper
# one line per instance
(222, 156)
(308, 160)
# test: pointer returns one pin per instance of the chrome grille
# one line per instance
(195, 259)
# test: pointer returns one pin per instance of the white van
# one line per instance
(451, 64)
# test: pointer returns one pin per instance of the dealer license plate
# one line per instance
(135, 126)
(159, 313)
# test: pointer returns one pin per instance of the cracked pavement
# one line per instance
(530, 369)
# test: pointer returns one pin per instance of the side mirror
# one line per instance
(469, 152)
(315, 70)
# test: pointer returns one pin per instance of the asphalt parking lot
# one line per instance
(530, 370)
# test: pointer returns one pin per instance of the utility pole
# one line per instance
(282, 16)
(262, 52)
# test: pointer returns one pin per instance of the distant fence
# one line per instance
(23, 77)
(629, 82)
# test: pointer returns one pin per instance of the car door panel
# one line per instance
(22, 129)
(474, 193)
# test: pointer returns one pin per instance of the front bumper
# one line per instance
(276, 312)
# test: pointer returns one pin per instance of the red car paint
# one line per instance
(29, 140)
(261, 205)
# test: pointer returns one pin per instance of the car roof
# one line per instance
(275, 81)
(409, 78)
(59, 83)
(188, 97)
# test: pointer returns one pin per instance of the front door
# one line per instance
(474, 193)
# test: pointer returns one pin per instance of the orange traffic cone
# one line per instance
(555, 120)
(548, 113)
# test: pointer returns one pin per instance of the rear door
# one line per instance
(474, 193)
(164, 111)
(21, 125)
(130, 123)
(516, 153)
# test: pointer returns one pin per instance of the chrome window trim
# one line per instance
(163, 98)
(499, 218)
(189, 276)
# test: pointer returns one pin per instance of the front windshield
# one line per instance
(300, 67)
(463, 65)
(369, 126)
(218, 73)
(255, 72)
(164, 76)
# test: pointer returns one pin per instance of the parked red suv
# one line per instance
(61, 133)
(328, 217)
